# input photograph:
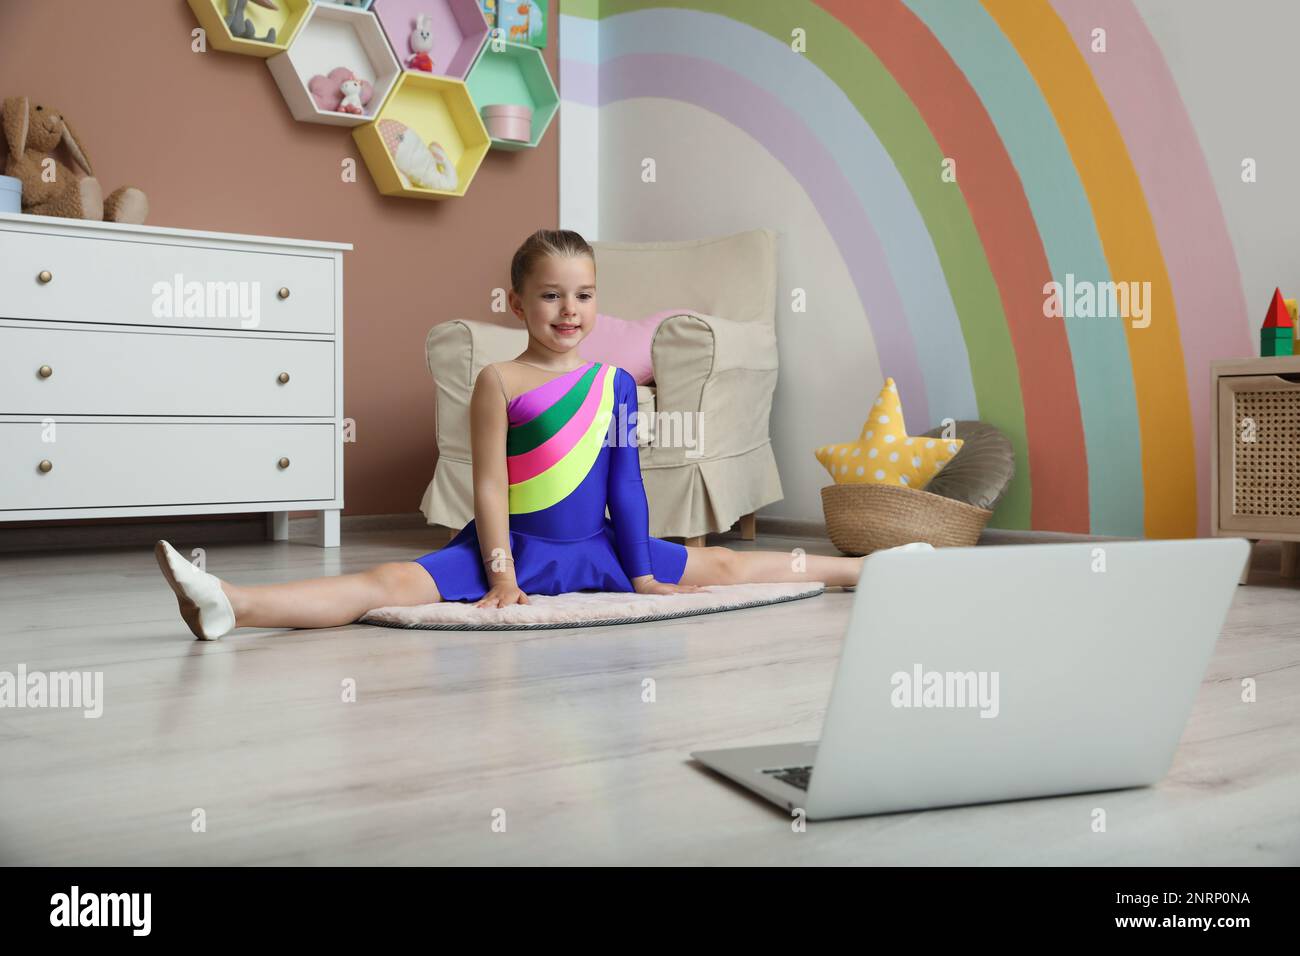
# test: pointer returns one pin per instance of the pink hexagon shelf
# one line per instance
(458, 27)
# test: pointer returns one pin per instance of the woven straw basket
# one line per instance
(865, 518)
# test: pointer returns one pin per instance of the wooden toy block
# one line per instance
(1278, 317)
(1274, 342)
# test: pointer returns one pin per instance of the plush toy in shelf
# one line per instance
(356, 94)
(425, 166)
(32, 133)
(421, 43)
(446, 169)
(241, 27)
(1277, 335)
(342, 91)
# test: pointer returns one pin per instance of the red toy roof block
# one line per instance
(1278, 317)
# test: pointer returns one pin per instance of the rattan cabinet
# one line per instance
(1255, 453)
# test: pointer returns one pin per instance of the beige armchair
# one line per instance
(706, 455)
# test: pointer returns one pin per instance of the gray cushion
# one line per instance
(980, 473)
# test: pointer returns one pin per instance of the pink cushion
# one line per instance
(625, 343)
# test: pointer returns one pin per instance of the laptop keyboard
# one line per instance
(794, 776)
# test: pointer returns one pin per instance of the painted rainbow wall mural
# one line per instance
(1070, 162)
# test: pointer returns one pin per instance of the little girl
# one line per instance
(553, 441)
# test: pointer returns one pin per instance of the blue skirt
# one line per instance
(545, 565)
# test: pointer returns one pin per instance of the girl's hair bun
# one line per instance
(540, 245)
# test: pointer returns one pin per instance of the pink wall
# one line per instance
(210, 139)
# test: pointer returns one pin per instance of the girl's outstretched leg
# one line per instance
(212, 607)
(722, 565)
(332, 601)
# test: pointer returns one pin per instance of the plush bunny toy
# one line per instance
(421, 41)
(354, 96)
(32, 133)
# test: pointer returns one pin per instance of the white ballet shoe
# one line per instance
(912, 546)
(204, 606)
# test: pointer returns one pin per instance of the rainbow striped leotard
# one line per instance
(570, 452)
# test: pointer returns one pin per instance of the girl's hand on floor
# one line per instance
(651, 586)
(502, 595)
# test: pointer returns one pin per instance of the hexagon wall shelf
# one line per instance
(459, 31)
(438, 109)
(331, 36)
(516, 73)
(286, 20)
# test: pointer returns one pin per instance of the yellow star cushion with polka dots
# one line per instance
(884, 453)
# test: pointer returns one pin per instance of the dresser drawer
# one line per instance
(130, 464)
(157, 373)
(125, 282)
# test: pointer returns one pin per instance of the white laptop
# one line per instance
(990, 673)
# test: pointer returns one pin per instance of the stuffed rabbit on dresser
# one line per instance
(32, 133)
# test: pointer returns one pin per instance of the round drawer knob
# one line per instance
(45, 465)
(283, 378)
(45, 371)
(283, 293)
(284, 462)
(45, 275)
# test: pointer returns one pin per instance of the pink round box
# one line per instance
(509, 121)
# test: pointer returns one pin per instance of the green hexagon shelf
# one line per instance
(514, 73)
(285, 20)
(423, 109)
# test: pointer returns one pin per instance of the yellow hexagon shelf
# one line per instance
(426, 141)
(215, 17)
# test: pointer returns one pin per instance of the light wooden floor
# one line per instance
(450, 728)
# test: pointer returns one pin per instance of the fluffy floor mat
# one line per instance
(588, 608)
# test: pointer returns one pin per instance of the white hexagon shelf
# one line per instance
(334, 45)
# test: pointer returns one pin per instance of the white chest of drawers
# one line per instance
(155, 371)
